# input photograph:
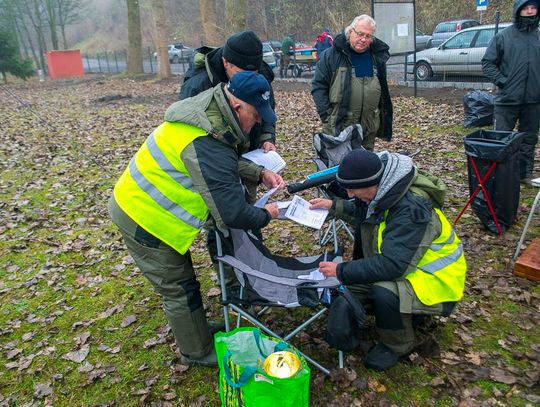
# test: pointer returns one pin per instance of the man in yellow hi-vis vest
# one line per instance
(185, 172)
(407, 260)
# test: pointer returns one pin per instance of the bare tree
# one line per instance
(235, 15)
(50, 10)
(135, 60)
(68, 12)
(31, 13)
(212, 32)
(160, 36)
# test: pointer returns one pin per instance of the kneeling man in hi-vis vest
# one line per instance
(186, 172)
(407, 259)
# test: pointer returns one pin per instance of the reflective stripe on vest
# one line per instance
(440, 273)
(156, 190)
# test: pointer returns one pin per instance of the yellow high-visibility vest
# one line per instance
(440, 273)
(156, 190)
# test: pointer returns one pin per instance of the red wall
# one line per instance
(63, 64)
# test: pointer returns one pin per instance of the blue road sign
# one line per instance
(482, 4)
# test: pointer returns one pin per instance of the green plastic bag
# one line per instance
(242, 379)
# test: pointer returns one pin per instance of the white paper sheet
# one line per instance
(264, 199)
(271, 160)
(402, 30)
(315, 275)
(299, 211)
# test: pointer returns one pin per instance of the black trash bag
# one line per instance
(478, 107)
(501, 147)
(345, 320)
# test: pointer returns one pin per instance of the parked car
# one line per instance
(460, 55)
(269, 55)
(446, 29)
(178, 53)
(276, 45)
(422, 40)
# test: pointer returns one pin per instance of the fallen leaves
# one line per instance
(62, 261)
(127, 321)
(78, 355)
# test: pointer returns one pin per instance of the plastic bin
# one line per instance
(485, 148)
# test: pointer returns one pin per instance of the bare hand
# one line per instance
(268, 146)
(320, 203)
(328, 268)
(272, 209)
(271, 180)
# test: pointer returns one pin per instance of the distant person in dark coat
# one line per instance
(324, 41)
(512, 62)
(287, 50)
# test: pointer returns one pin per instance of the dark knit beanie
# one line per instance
(360, 169)
(244, 49)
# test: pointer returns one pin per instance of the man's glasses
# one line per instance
(365, 36)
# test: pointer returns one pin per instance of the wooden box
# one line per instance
(528, 263)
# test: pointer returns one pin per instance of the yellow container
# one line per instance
(282, 364)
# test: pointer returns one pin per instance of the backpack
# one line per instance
(345, 320)
(430, 187)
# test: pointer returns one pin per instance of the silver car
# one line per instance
(178, 53)
(422, 40)
(446, 29)
(269, 55)
(459, 55)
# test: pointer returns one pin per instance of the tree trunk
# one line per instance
(235, 16)
(264, 19)
(23, 27)
(212, 32)
(64, 41)
(135, 60)
(51, 19)
(67, 13)
(158, 13)
(34, 14)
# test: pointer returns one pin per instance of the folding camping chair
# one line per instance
(330, 151)
(272, 281)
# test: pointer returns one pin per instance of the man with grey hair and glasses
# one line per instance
(350, 85)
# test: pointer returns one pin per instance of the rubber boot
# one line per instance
(192, 335)
(394, 344)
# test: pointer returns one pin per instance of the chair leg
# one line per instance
(529, 218)
(340, 359)
(264, 328)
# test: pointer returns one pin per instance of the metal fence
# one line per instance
(116, 62)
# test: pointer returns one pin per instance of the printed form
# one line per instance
(299, 211)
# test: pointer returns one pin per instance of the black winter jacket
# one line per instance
(208, 72)
(212, 161)
(410, 228)
(512, 62)
(339, 56)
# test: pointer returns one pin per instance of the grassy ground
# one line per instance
(80, 326)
